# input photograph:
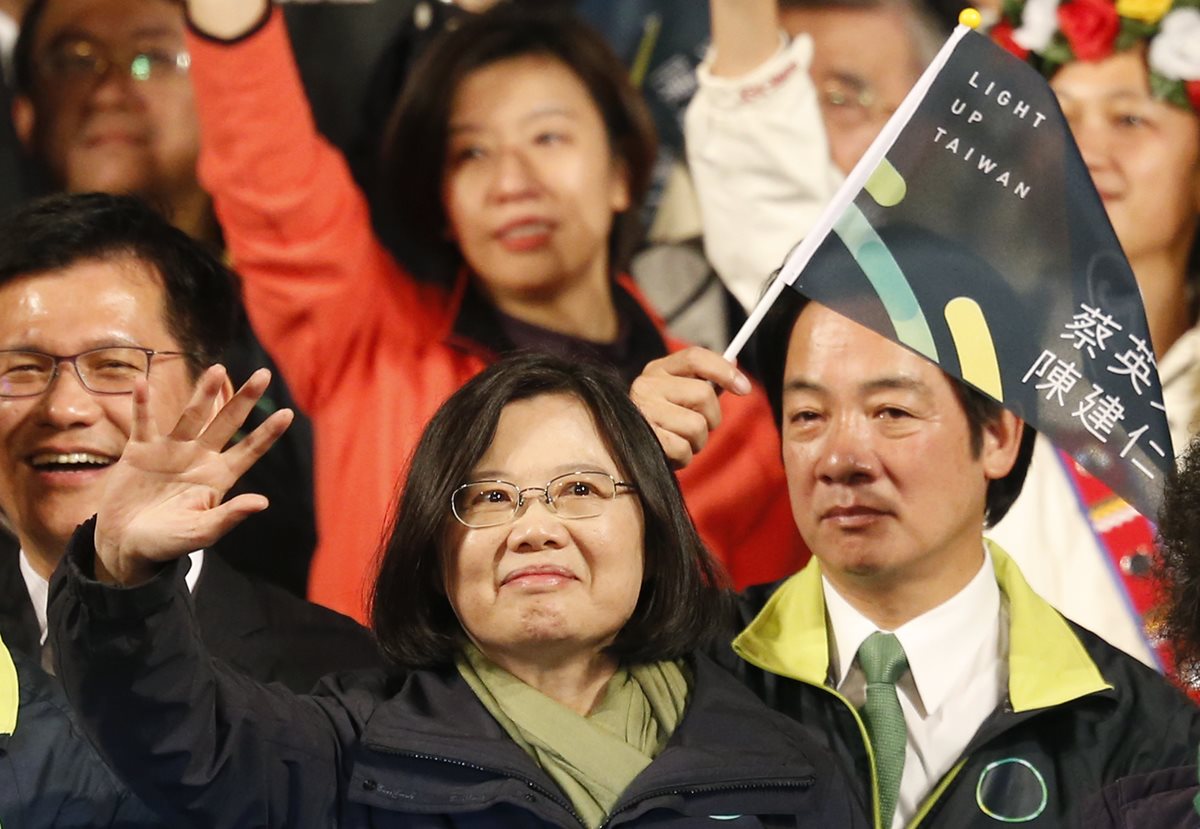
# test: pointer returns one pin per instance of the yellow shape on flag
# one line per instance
(973, 342)
(886, 186)
(971, 18)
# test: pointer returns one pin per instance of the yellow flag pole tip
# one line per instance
(971, 18)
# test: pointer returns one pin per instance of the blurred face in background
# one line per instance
(531, 186)
(859, 87)
(1143, 154)
(111, 106)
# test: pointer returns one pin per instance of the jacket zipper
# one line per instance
(796, 783)
(876, 817)
(533, 784)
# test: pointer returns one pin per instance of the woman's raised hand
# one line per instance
(677, 394)
(226, 19)
(162, 499)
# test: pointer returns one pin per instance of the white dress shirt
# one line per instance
(957, 675)
(39, 588)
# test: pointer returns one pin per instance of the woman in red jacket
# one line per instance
(520, 147)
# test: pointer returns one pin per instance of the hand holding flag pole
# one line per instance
(971, 233)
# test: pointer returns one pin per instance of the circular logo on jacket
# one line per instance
(1011, 791)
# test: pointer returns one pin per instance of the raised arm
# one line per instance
(226, 19)
(319, 286)
(756, 145)
(745, 34)
(210, 747)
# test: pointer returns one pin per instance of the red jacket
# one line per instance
(370, 352)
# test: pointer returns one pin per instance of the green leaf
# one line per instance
(1171, 91)
(1134, 32)
(1057, 53)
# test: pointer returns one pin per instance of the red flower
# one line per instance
(1090, 27)
(1002, 34)
(1193, 92)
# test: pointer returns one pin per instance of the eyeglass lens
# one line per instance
(82, 59)
(577, 495)
(104, 370)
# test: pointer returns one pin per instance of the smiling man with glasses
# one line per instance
(96, 292)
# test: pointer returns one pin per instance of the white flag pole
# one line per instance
(854, 183)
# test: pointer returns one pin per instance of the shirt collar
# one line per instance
(963, 624)
(39, 588)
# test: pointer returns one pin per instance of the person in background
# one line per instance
(521, 149)
(1135, 113)
(542, 602)
(789, 98)
(97, 291)
(950, 692)
(103, 102)
(1167, 799)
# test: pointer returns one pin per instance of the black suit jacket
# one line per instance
(257, 628)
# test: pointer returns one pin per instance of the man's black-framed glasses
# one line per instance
(109, 370)
(480, 504)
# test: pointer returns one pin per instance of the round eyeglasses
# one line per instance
(75, 61)
(481, 504)
(110, 370)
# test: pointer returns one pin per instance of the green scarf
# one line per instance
(593, 759)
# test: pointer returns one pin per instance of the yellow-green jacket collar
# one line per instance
(1047, 664)
(10, 695)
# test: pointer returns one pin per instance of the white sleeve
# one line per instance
(758, 153)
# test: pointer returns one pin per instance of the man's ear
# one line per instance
(24, 120)
(1001, 443)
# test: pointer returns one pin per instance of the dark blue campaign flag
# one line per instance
(971, 233)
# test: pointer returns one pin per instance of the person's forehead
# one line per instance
(110, 21)
(828, 350)
(111, 289)
(838, 35)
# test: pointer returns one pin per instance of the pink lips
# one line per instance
(853, 516)
(543, 575)
(525, 234)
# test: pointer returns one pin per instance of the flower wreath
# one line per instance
(1050, 33)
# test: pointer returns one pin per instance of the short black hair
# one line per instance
(415, 150)
(1177, 567)
(683, 603)
(200, 294)
(771, 345)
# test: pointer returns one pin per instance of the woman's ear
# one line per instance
(619, 199)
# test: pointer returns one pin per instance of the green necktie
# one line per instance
(882, 660)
